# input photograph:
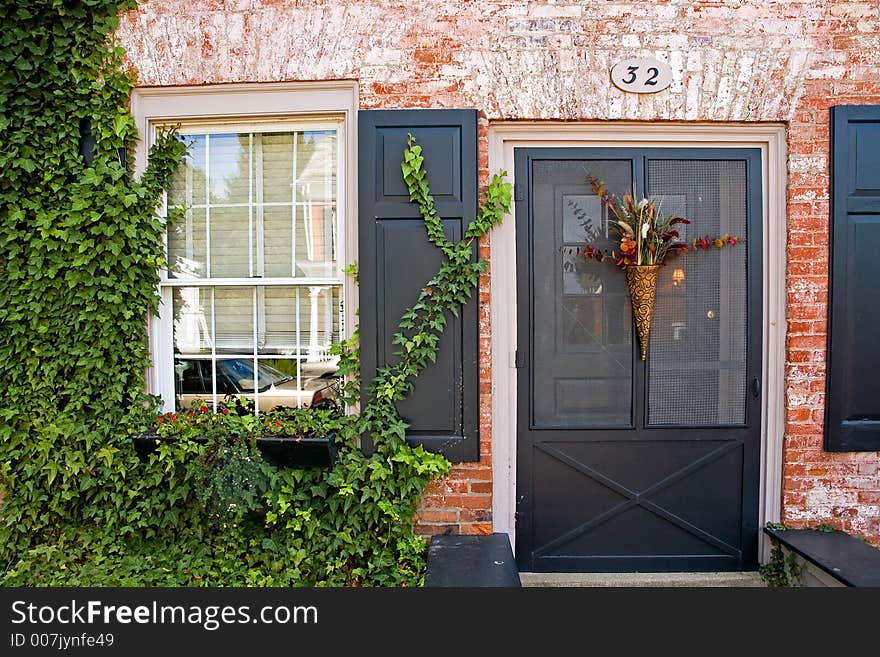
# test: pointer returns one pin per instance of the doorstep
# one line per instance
(748, 579)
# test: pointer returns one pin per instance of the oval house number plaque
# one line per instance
(641, 76)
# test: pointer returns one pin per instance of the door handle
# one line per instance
(756, 387)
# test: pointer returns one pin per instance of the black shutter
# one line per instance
(396, 260)
(852, 402)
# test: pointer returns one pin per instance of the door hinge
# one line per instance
(519, 359)
(519, 193)
(756, 387)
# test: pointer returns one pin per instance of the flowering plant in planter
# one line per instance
(288, 436)
(646, 239)
(235, 418)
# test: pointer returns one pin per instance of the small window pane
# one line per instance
(229, 242)
(234, 319)
(319, 310)
(228, 157)
(277, 223)
(278, 387)
(191, 307)
(187, 186)
(282, 313)
(193, 381)
(235, 376)
(187, 246)
(316, 162)
(302, 321)
(315, 240)
(276, 166)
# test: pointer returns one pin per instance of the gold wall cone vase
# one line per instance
(642, 283)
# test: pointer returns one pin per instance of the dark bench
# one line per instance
(847, 559)
(470, 561)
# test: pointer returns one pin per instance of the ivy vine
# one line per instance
(81, 245)
(781, 571)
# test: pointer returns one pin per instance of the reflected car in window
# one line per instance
(235, 377)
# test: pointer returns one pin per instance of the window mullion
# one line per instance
(259, 306)
(299, 359)
(329, 245)
(250, 204)
(207, 206)
(328, 321)
(341, 253)
(293, 207)
(213, 352)
(256, 370)
(259, 317)
(258, 184)
(190, 247)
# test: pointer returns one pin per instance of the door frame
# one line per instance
(770, 139)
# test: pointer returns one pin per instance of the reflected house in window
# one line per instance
(582, 224)
(594, 312)
(321, 240)
(191, 330)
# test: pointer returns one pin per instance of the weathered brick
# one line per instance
(425, 529)
(437, 516)
(481, 487)
(475, 515)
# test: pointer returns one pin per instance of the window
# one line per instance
(254, 272)
(254, 295)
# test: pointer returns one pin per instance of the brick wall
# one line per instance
(732, 60)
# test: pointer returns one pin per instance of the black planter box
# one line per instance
(283, 451)
(289, 452)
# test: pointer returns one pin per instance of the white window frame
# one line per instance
(258, 107)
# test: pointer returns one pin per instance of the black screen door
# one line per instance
(625, 465)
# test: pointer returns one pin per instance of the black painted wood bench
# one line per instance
(471, 561)
(847, 559)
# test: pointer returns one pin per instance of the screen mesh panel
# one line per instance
(697, 356)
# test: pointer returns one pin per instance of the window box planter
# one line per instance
(282, 451)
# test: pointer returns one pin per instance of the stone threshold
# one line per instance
(676, 580)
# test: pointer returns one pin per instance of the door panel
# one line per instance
(623, 464)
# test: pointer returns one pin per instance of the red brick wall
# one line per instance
(732, 60)
(818, 487)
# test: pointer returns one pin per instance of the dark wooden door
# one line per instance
(625, 465)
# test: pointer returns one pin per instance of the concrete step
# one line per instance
(749, 579)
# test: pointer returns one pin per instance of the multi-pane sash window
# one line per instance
(252, 297)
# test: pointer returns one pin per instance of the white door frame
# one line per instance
(770, 139)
